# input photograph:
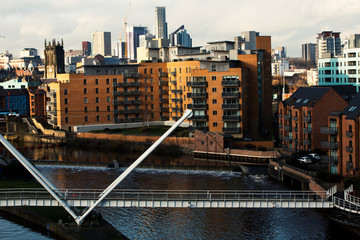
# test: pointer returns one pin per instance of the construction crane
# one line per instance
(123, 29)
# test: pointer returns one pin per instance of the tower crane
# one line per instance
(123, 29)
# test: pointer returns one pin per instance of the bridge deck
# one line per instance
(169, 198)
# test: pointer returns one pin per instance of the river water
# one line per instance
(189, 223)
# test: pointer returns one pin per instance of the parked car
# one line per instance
(304, 159)
(314, 156)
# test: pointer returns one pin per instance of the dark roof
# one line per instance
(306, 96)
(347, 92)
(353, 109)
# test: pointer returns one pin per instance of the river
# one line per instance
(189, 223)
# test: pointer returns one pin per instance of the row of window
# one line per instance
(86, 118)
(338, 64)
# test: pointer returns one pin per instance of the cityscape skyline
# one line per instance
(289, 25)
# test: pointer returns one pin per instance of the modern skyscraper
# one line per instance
(328, 44)
(133, 34)
(308, 51)
(101, 42)
(354, 41)
(180, 38)
(160, 23)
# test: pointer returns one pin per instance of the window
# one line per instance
(66, 119)
(145, 70)
(214, 101)
(97, 99)
(151, 89)
(66, 101)
(151, 70)
(86, 118)
(107, 81)
(97, 108)
(108, 99)
(85, 100)
(108, 117)
(107, 90)
(214, 124)
(214, 113)
(96, 90)
(152, 106)
(97, 118)
(108, 108)
(85, 90)
(65, 93)
(152, 98)
(213, 78)
(213, 89)
(85, 109)
(66, 110)
(213, 68)
(96, 81)
(84, 81)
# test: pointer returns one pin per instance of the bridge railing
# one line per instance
(346, 205)
(181, 195)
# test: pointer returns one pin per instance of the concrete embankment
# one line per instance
(99, 230)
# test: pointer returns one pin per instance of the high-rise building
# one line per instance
(328, 44)
(101, 42)
(354, 41)
(160, 23)
(180, 38)
(133, 42)
(308, 51)
(86, 48)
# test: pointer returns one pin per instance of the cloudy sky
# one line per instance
(26, 23)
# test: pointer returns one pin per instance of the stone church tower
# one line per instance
(54, 59)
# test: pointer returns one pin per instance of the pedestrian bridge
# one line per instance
(169, 198)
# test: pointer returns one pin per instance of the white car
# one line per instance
(314, 156)
(304, 160)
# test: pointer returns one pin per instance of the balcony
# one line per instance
(287, 139)
(127, 102)
(329, 145)
(280, 126)
(287, 128)
(349, 134)
(333, 160)
(177, 100)
(287, 116)
(203, 106)
(52, 121)
(349, 149)
(127, 111)
(163, 92)
(231, 95)
(51, 113)
(133, 119)
(177, 91)
(280, 115)
(307, 119)
(197, 95)
(295, 118)
(164, 100)
(164, 109)
(164, 118)
(307, 141)
(199, 118)
(173, 82)
(130, 75)
(51, 94)
(173, 74)
(163, 74)
(231, 130)
(128, 93)
(163, 83)
(307, 130)
(196, 84)
(126, 84)
(177, 109)
(231, 106)
(231, 118)
(295, 129)
(53, 104)
(234, 83)
(329, 130)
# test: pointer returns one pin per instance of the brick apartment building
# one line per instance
(226, 96)
(303, 116)
(343, 139)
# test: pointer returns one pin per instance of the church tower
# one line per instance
(54, 59)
